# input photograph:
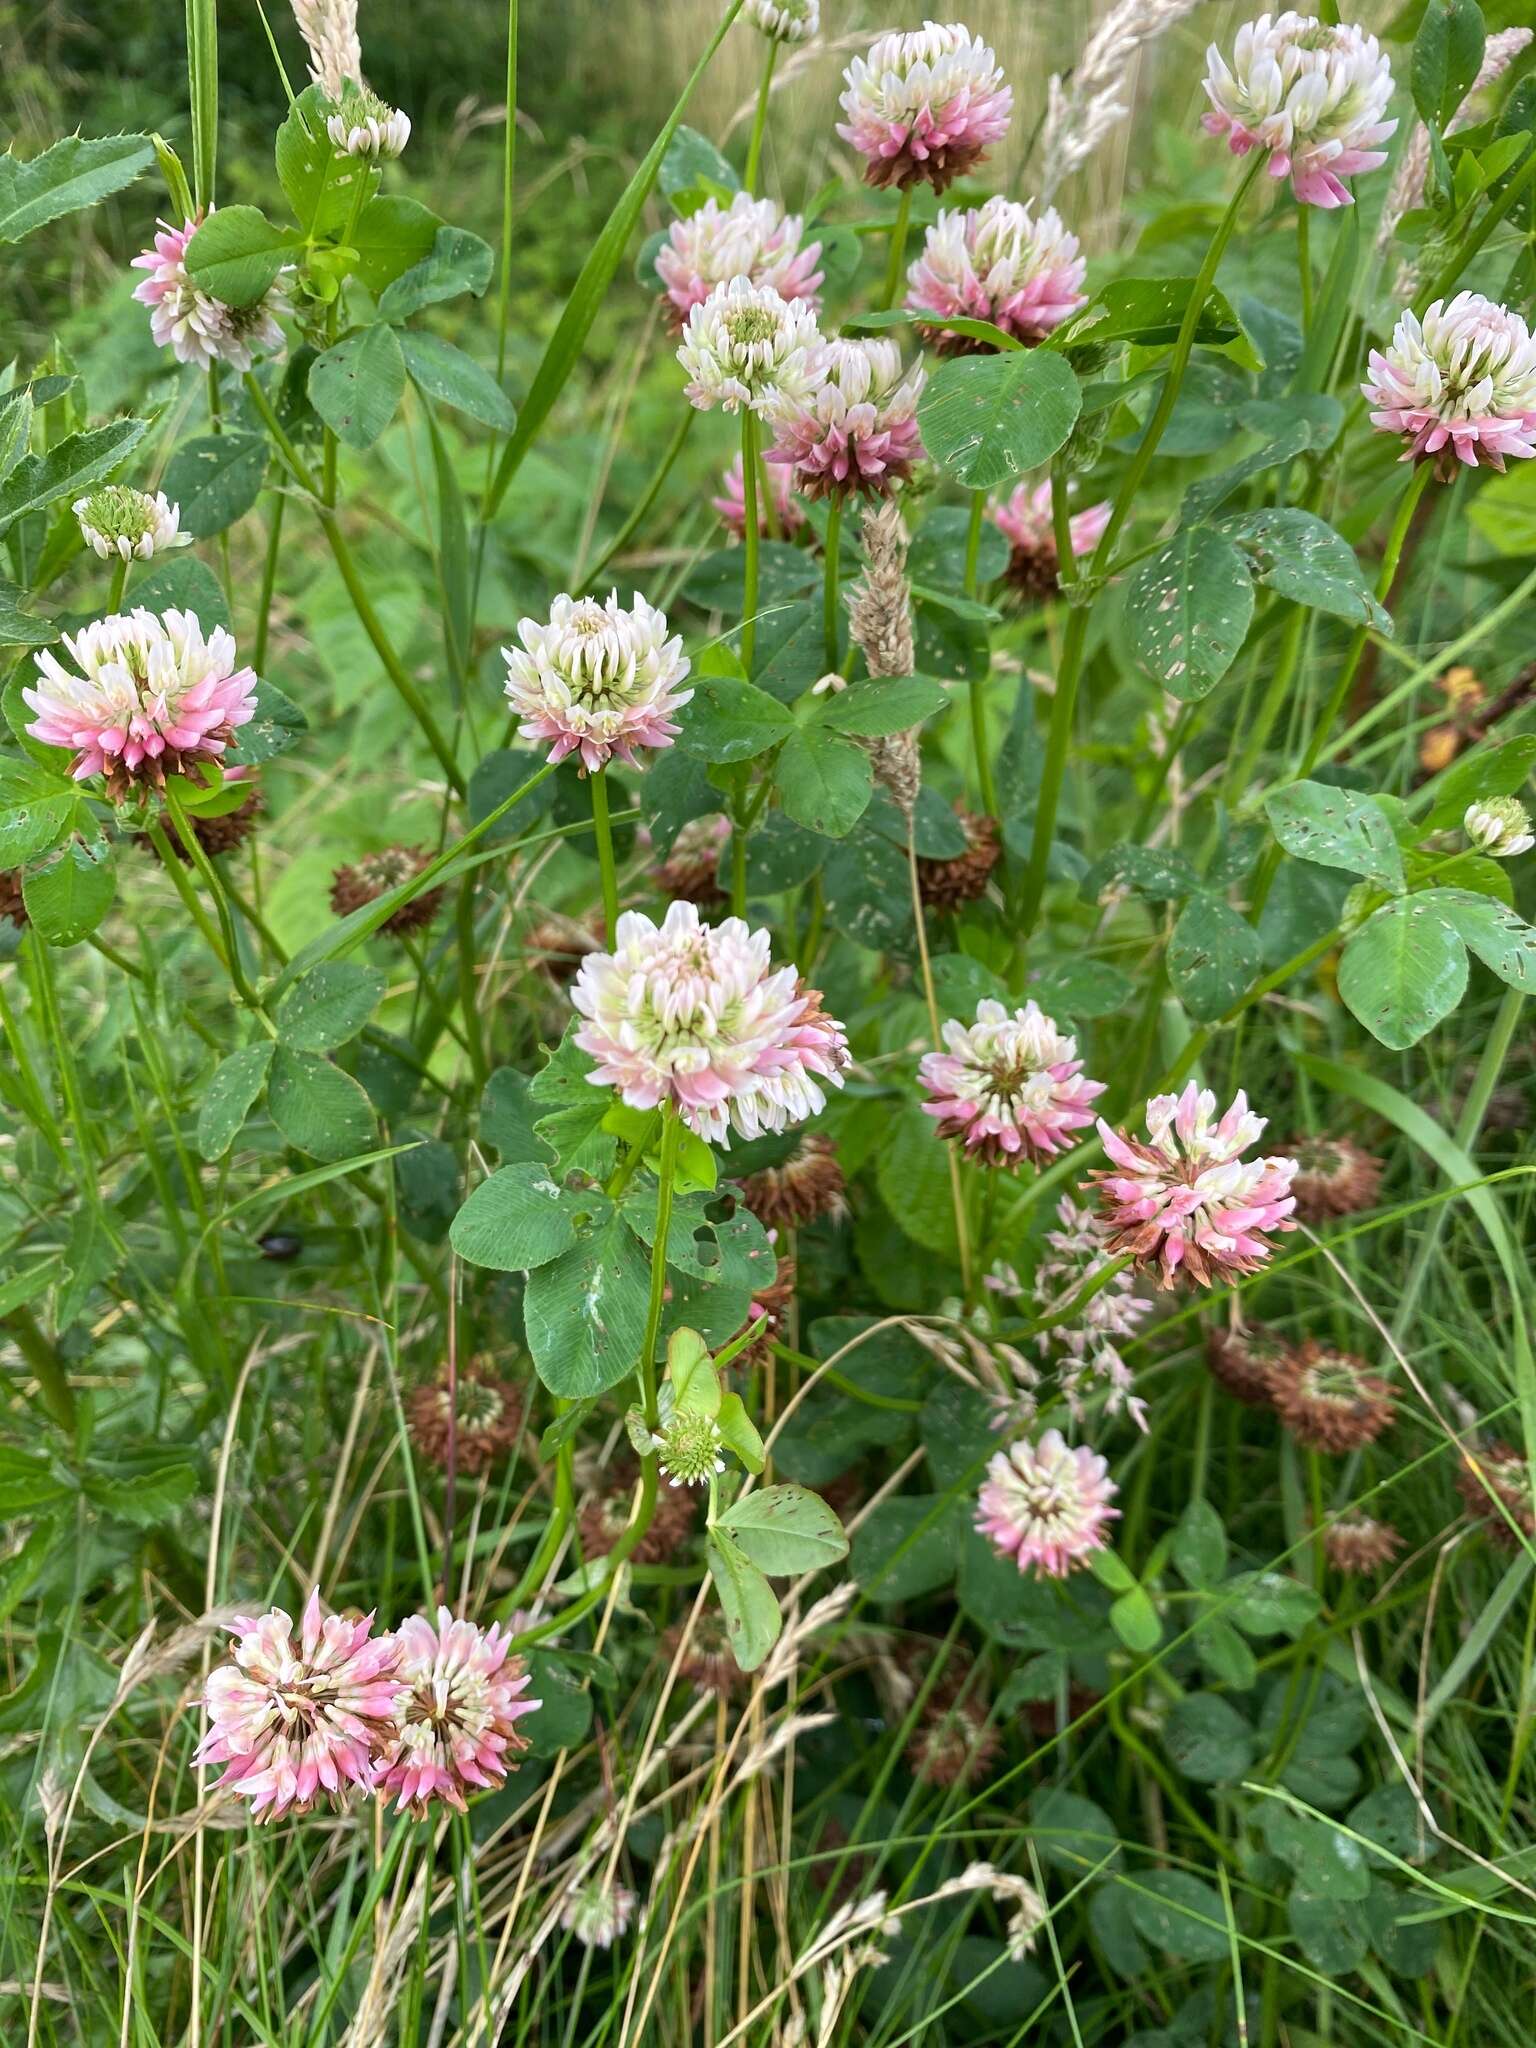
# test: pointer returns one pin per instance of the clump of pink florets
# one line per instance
(697, 1015)
(153, 697)
(1185, 1199)
(855, 429)
(1459, 385)
(597, 680)
(1009, 1086)
(1311, 93)
(924, 105)
(1046, 1505)
(1073, 1255)
(732, 502)
(1001, 263)
(750, 238)
(294, 1719)
(462, 1693)
(1024, 519)
(197, 327)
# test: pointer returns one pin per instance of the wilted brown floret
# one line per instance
(1359, 1543)
(771, 1301)
(707, 1663)
(11, 904)
(946, 884)
(808, 1184)
(1244, 1361)
(690, 873)
(1498, 1475)
(366, 880)
(1334, 1177)
(488, 1414)
(953, 1742)
(605, 1518)
(558, 945)
(1330, 1400)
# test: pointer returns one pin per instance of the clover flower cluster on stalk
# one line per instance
(1024, 519)
(787, 21)
(194, 325)
(924, 105)
(360, 123)
(425, 1714)
(697, 1015)
(1076, 1254)
(1009, 1087)
(1310, 93)
(1046, 1505)
(751, 238)
(854, 427)
(787, 507)
(154, 696)
(597, 680)
(747, 345)
(132, 525)
(1499, 826)
(1459, 385)
(998, 262)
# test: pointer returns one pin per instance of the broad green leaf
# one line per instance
(38, 806)
(1070, 1832)
(356, 386)
(1148, 311)
(1082, 988)
(912, 1172)
(74, 173)
(824, 782)
(1268, 1603)
(1207, 496)
(276, 725)
(883, 705)
(785, 1530)
(988, 419)
(237, 253)
(458, 262)
(143, 1487)
(1301, 556)
(1157, 872)
(739, 1433)
(1135, 1620)
(319, 1109)
(15, 430)
(1190, 606)
(392, 234)
(21, 1570)
(584, 1312)
(68, 467)
(1224, 1654)
(329, 1005)
(1337, 828)
(1214, 954)
(182, 583)
(692, 163)
(216, 479)
(1200, 1545)
(908, 1546)
(507, 1114)
(1500, 938)
(320, 182)
(518, 1219)
(1402, 972)
(1326, 1861)
(729, 721)
(1173, 1911)
(68, 896)
(230, 1096)
(752, 1618)
(1447, 52)
(1208, 1739)
(1503, 770)
(565, 1706)
(445, 372)
(1332, 1931)
(691, 1374)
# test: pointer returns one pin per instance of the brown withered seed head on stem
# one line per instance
(808, 1184)
(946, 884)
(375, 875)
(1334, 1177)
(1330, 1400)
(484, 1419)
(1244, 1361)
(1359, 1544)
(606, 1516)
(1494, 1477)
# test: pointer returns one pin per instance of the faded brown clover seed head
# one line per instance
(1245, 1361)
(707, 1663)
(1359, 1544)
(1496, 1477)
(216, 836)
(606, 1516)
(11, 904)
(558, 945)
(808, 1184)
(483, 1420)
(375, 875)
(1330, 1400)
(1334, 1177)
(946, 884)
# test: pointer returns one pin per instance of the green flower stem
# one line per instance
(548, 1547)
(666, 1173)
(175, 868)
(1304, 264)
(603, 833)
(118, 585)
(622, 1175)
(750, 539)
(1057, 746)
(642, 511)
(368, 618)
(1519, 184)
(760, 120)
(268, 583)
(986, 781)
(831, 566)
(896, 259)
(49, 1370)
(469, 985)
(210, 880)
(739, 829)
(569, 1615)
(930, 997)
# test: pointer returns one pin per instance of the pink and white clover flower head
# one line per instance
(732, 502)
(998, 262)
(1009, 1086)
(1046, 1505)
(194, 325)
(1087, 1347)
(1312, 93)
(598, 1913)
(747, 345)
(1025, 521)
(597, 680)
(750, 238)
(787, 21)
(924, 105)
(294, 1719)
(131, 525)
(697, 1015)
(462, 1695)
(855, 428)
(154, 696)
(1499, 826)
(1185, 1199)
(1459, 385)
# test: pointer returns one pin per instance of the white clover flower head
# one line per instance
(1499, 826)
(855, 428)
(598, 1914)
(697, 1015)
(1460, 384)
(750, 238)
(597, 680)
(366, 126)
(788, 21)
(115, 520)
(924, 105)
(999, 262)
(746, 345)
(1312, 93)
(690, 1448)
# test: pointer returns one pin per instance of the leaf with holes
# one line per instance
(1213, 957)
(1338, 829)
(68, 896)
(1190, 606)
(989, 419)
(1301, 556)
(1500, 937)
(1402, 972)
(751, 1610)
(215, 480)
(785, 1530)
